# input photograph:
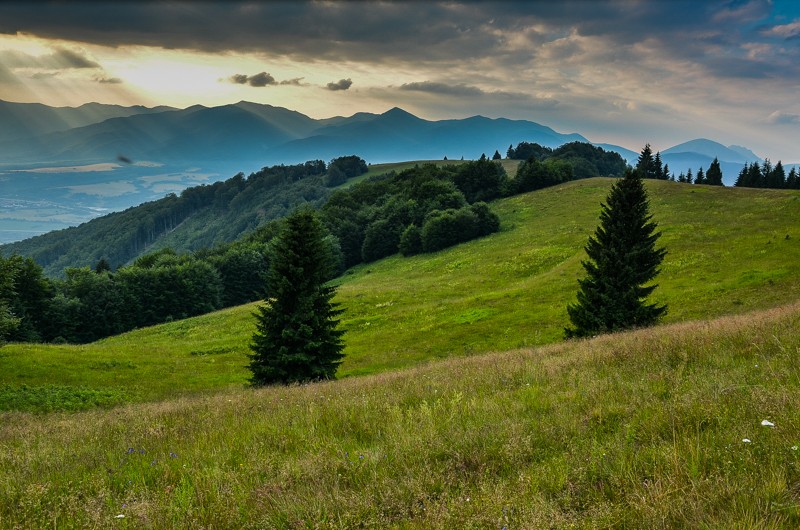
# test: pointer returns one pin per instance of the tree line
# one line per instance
(766, 175)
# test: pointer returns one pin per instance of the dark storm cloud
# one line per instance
(443, 88)
(70, 59)
(341, 84)
(413, 32)
(44, 75)
(263, 79)
(108, 80)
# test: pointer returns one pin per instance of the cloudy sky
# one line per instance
(622, 72)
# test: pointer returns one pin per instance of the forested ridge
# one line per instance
(200, 217)
(232, 224)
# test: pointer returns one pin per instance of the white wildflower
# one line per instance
(767, 423)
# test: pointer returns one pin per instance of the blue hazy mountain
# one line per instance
(712, 149)
(399, 135)
(26, 120)
(253, 132)
(89, 160)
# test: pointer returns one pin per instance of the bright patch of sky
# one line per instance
(617, 71)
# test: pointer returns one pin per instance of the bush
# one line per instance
(411, 241)
(381, 239)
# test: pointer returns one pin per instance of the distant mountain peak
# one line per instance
(397, 112)
(745, 152)
(711, 149)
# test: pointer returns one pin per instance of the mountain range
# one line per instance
(249, 132)
(62, 166)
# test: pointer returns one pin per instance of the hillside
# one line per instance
(201, 217)
(661, 428)
(729, 251)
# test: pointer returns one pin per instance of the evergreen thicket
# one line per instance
(766, 175)
(623, 259)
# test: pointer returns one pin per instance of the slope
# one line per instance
(729, 251)
(661, 428)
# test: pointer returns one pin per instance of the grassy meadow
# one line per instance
(730, 250)
(470, 412)
(657, 428)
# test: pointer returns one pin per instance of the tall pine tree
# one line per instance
(622, 258)
(714, 174)
(296, 338)
(646, 163)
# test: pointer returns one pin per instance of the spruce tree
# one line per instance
(793, 181)
(646, 163)
(622, 258)
(658, 169)
(296, 338)
(701, 177)
(714, 174)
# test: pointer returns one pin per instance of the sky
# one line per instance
(623, 72)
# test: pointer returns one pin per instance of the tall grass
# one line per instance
(643, 429)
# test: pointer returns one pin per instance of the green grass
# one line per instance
(636, 430)
(730, 251)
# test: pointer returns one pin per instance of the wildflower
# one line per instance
(767, 423)
(794, 448)
(746, 440)
(172, 455)
(131, 450)
(120, 516)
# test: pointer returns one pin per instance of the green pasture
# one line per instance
(730, 251)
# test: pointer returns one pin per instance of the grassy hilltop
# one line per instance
(470, 412)
(730, 250)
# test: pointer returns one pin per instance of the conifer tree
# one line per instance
(658, 169)
(701, 177)
(296, 338)
(622, 258)
(646, 164)
(689, 176)
(793, 180)
(741, 180)
(667, 174)
(776, 177)
(714, 174)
